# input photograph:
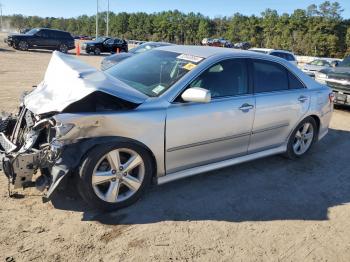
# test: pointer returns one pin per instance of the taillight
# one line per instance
(331, 97)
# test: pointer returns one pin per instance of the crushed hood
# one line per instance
(68, 80)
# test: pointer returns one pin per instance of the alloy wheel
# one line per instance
(118, 175)
(63, 48)
(23, 45)
(97, 51)
(303, 138)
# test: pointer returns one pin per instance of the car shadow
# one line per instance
(273, 188)
(42, 51)
(342, 107)
(6, 50)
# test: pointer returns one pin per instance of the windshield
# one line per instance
(154, 72)
(345, 62)
(319, 63)
(32, 32)
(101, 39)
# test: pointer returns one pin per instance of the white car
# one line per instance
(289, 56)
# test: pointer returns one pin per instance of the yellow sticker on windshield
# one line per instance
(189, 66)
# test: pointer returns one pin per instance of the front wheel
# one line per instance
(114, 176)
(23, 45)
(97, 51)
(302, 138)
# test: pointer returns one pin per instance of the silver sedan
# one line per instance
(167, 114)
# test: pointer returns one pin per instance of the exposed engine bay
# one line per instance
(26, 147)
(32, 140)
(31, 143)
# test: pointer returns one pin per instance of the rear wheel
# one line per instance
(63, 48)
(302, 138)
(23, 45)
(114, 176)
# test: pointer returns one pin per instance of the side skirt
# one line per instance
(213, 166)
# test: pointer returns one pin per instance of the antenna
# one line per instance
(1, 28)
(96, 18)
(107, 30)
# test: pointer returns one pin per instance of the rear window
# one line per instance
(278, 54)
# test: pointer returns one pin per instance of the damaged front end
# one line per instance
(28, 145)
(33, 151)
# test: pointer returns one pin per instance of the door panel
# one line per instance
(202, 133)
(276, 114)
(281, 102)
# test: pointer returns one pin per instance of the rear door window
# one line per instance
(294, 82)
(269, 76)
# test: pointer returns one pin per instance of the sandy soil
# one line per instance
(267, 210)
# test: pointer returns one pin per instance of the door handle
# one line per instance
(246, 107)
(302, 99)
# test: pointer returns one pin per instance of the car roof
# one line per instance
(205, 51)
(57, 30)
(269, 50)
(261, 49)
(156, 43)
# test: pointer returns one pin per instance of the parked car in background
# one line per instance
(42, 38)
(337, 78)
(206, 41)
(286, 55)
(24, 30)
(111, 60)
(242, 45)
(170, 113)
(105, 45)
(319, 64)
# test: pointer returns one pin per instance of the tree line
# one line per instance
(315, 31)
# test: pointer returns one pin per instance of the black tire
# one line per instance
(23, 45)
(63, 48)
(97, 51)
(290, 154)
(84, 182)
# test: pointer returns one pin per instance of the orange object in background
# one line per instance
(77, 49)
(118, 50)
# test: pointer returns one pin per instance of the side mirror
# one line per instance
(196, 94)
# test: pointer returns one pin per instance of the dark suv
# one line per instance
(105, 45)
(42, 38)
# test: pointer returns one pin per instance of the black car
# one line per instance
(116, 58)
(42, 38)
(338, 78)
(105, 45)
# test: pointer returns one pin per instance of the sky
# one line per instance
(211, 8)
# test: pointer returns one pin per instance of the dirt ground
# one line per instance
(267, 210)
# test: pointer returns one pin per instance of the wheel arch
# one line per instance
(317, 120)
(314, 116)
(80, 150)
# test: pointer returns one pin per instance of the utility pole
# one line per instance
(107, 30)
(1, 28)
(96, 18)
